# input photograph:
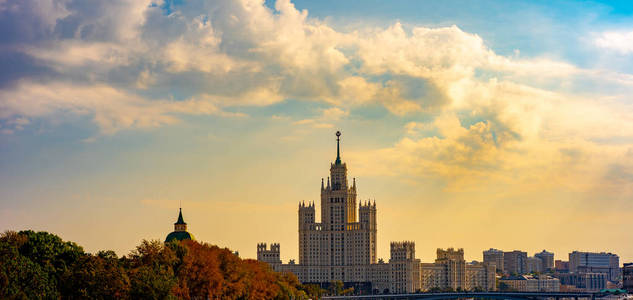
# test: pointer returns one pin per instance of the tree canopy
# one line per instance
(42, 265)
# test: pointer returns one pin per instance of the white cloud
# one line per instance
(112, 109)
(240, 53)
(325, 119)
(619, 41)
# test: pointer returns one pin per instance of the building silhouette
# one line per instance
(515, 262)
(342, 246)
(494, 256)
(547, 260)
(627, 277)
(180, 230)
(593, 262)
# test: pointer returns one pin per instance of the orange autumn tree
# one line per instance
(206, 271)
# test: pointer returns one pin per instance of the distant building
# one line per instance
(591, 262)
(627, 277)
(527, 283)
(534, 265)
(270, 256)
(515, 262)
(404, 267)
(561, 266)
(455, 266)
(494, 257)
(480, 276)
(180, 230)
(342, 246)
(451, 272)
(547, 259)
(582, 282)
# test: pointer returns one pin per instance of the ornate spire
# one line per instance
(338, 151)
(180, 225)
(180, 219)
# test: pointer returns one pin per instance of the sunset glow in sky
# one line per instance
(475, 124)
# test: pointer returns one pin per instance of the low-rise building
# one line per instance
(593, 262)
(527, 283)
(583, 282)
(451, 272)
(627, 277)
(561, 266)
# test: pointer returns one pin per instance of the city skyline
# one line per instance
(507, 127)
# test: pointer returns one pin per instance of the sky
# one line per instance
(473, 124)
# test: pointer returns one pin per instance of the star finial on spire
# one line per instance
(338, 151)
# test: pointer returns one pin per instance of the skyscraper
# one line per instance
(451, 272)
(515, 262)
(627, 277)
(343, 245)
(547, 258)
(494, 257)
(592, 262)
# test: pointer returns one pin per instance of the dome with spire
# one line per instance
(180, 230)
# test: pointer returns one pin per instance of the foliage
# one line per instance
(336, 288)
(313, 290)
(36, 265)
(504, 287)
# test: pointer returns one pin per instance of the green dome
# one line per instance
(179, 235)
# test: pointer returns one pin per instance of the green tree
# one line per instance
(34, 263)
(313, 291)
(336, 287)
(21, 278)
(97, 277)
(151, 273)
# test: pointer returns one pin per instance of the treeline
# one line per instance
(40, 265)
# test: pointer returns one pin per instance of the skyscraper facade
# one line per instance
(515, 262)
(451, 272)
(547, 259)
(342, 246)
(627, 277)
(495, 257)
(592, 262)
(534, 265)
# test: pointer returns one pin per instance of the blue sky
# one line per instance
(453, 114)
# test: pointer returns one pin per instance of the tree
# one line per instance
(97, 277)
(36, 265)
(21, 278)
(348, 291)
(150, 269)
(313, 290)
(336, 287)
(504, 287)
